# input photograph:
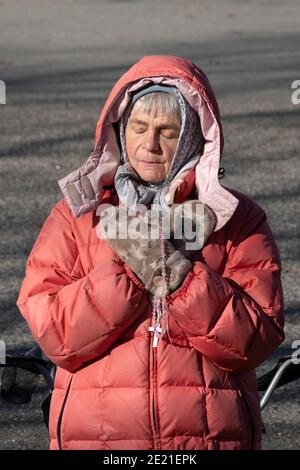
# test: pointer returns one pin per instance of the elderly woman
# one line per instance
(155, 346)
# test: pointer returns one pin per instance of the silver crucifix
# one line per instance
(156, 330)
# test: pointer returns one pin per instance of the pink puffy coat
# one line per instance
(91, 315)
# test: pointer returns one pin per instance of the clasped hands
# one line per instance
(135, 239)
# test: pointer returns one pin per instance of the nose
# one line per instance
(151, 142)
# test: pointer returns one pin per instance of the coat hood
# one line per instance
(83, 189)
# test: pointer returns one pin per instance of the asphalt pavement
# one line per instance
(59, 60)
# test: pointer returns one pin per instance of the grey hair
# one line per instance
(159, 103)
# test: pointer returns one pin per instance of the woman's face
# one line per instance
(151, 142)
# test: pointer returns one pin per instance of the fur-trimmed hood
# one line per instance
(83, 188)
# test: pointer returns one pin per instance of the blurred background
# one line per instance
(59, 60)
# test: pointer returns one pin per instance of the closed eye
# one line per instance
(139, 129)
(169, 134)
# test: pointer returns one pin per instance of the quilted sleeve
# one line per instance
(236, 319)
(75, 319)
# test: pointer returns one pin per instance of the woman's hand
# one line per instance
(143, 254)
(192, 223)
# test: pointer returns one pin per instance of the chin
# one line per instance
(151, 179)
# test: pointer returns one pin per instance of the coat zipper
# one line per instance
(58, 428)
(154, 415)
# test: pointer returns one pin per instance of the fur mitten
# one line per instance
(143, 254)
(192, 223)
